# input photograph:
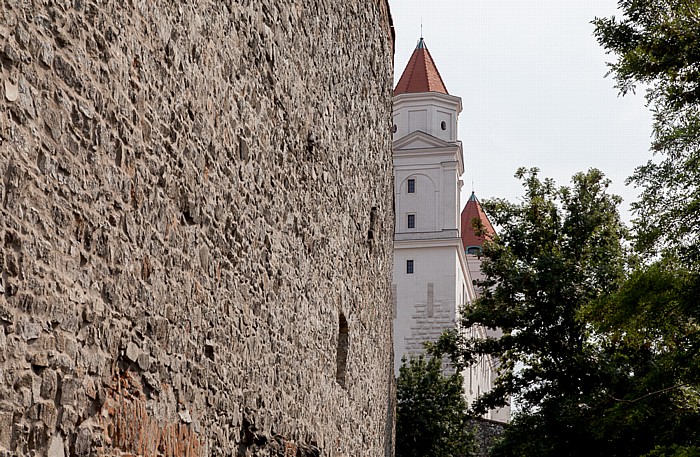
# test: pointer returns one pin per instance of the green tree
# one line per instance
(556, 252)
(657, 44)
(655, 316)
(599, 350)
(649, 333)
(431, 414)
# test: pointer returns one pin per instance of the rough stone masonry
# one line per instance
(195, 228)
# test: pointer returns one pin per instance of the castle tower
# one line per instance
(479, 377)
(431, 275)
(433, 267)
(472, 242)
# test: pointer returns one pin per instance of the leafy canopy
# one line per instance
(657, 44)
(652, 323)
(556, 251)
(597, 351)
(431, 414)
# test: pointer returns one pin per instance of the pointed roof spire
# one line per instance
(421, 74)
(472, 210)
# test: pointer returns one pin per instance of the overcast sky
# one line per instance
(534, 93)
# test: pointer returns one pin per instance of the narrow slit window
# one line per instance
(342, 354)
(409, 267)
(411, 221)
(411, 186)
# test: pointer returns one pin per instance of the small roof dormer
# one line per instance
(473, 210)
(421, 74)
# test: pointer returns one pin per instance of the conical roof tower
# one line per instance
(473, 210)
(420, 74)
(421, 100)
(428, 162)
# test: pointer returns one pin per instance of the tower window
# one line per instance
(443, 125)
(411, 186)
(411, 221)
(409, 267)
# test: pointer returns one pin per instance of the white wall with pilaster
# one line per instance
(427, 301)
(426, 112)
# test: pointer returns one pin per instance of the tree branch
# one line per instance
(657, 392)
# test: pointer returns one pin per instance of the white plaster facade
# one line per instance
(480, 377)
(426, 151)
(427, 300)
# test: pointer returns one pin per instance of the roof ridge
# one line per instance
(432, 61)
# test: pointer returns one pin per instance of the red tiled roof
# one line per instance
(472, 211)
(421, 74)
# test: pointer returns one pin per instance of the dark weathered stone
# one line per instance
(187, 190)
(486, 434)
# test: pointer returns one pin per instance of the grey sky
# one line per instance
(531, 77)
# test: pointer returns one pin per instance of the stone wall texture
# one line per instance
(486, 434)
(195, 228)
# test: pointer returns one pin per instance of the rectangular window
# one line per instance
(411, 186)
(411, 221)
(409, 267)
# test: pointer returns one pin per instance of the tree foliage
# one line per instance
(557, 251)
(431, 414)
(649, 334)
(652, 322)
(657, 44)
(597, 350)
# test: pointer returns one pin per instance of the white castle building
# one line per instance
(435, 247)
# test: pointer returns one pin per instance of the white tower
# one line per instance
(480, 377)
(435, 248)
(431, 274)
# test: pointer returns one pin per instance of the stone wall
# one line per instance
(194, 196)
(486, 434)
